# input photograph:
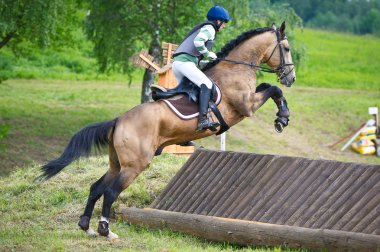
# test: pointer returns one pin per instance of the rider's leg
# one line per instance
(203, 121)
(194, 74)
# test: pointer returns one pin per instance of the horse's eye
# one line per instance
(287, 49)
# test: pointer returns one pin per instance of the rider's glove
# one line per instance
(211, 56)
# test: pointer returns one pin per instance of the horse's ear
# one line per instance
(282, 29)
(274, 26)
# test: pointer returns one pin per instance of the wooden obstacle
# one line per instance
(165, 74)
(252, 199)
(179, 150)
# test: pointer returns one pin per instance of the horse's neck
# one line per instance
(253, 49)
(238, 81)
(249, 51)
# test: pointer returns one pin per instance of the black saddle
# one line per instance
(185, 87)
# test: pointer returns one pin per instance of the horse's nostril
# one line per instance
(294, 79)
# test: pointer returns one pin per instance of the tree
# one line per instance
(40, 22)
(120, 28)
(358, 16)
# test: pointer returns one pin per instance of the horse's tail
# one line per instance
(80, 145)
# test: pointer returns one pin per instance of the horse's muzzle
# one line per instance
(287, 81)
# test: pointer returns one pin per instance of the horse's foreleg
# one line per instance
(265, 91)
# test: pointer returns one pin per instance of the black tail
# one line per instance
(80, 145)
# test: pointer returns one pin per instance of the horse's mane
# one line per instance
(227, 48)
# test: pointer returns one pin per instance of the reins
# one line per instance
(252, 65)
(279, 70)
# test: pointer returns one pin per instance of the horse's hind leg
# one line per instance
(132, 163)
(121, 182)
(97, 189)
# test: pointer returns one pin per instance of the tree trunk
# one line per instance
(252, 233)
(155, 51)
(6, 39)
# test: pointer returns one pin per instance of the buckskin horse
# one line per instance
(135, 137)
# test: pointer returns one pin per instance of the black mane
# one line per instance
(227, 48)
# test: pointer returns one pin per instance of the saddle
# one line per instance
(183, 100)
(185, 87)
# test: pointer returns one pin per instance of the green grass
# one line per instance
(339, 60)
(44, 216)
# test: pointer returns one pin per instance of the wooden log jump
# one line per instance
(251, 232)
(253, 199)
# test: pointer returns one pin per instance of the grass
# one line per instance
(43, 217)
(339, 60)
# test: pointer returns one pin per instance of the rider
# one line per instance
(194, 48)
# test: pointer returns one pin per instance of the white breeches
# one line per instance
(192, 72)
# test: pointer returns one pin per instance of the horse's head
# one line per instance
(278, 57)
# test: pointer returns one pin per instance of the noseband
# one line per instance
(280, 70)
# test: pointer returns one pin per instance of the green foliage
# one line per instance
(53, 63)
(131, 29)
(4, 128)
(5, 67)
(356, 16)
(135, 25)
(40, 22)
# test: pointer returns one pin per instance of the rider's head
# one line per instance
(219, 15)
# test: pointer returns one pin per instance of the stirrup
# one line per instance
(210, 125)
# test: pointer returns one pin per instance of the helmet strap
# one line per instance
(218, 24)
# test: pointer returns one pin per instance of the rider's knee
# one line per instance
(208, 83)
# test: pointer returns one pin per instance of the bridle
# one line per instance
(280, 70)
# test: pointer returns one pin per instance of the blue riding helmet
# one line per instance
(218, 13)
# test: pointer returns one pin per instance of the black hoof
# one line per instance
(279, 127)
(280, 123)
(103, 228)
(84, 222)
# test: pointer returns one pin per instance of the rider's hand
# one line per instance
(211, 56)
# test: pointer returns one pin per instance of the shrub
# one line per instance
(5, 68)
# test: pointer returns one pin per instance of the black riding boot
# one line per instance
(203, 121)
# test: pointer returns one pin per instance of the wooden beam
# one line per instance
(149, 62)
(251, 232)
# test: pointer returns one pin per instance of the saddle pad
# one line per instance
(185, 108)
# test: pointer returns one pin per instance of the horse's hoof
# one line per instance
(279, 127)
(280, 123)
(103, 228)
(84, 222)
(91, 232)
(112, 236)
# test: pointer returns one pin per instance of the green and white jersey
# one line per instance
(206, 33)
(197, 43)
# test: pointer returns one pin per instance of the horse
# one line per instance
(134, 137)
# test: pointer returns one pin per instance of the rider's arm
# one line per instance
(206, 33)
